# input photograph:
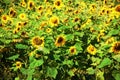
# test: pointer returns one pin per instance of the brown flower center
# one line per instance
(55, 21)
(60, 40)
(38, 41)
(118, 9)
(117, 47)
(4, 18)
(58, 3)
(72, 50)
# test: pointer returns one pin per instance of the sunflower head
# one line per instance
(37, 41)
(22, 16)
(12, 12)
(115, 47)
(58, 4)
(48, 30)
(76, 19)
(30, 5)
(72, 50)
(40, 9)
(23, 3)
(54, 21)
(4, 18)
(91, 49)
(117, 8)
(18, 64)
(60, 41)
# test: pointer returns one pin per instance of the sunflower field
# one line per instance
(59, 39)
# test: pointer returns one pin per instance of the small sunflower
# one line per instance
(18, 64)
(40, 9)
(12, 12)
(72, 50)
(54, 21)
(48, 30)
(116, 47)
(76, 19)
(91, 49)
(23, 3)
(30, 5)
(4, 18)
(60, 41)
(42, 25)
(22, 16)
(58, 4)
(37, 41)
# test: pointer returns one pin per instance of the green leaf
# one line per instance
(17, 78)
(113, 32)
(100, 75)
(36, 63)
(52, 72)
(116, 75)
(117, 57)
(71, 73)
(78, 46)
(90, 70)
(21, 46)
(68, 62)
(105, 62)
(70, 37)
(29, 77)
(13, 57)
(27, 71)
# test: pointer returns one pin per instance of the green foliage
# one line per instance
(52, 72)
(105, 62)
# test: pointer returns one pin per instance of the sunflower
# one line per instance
(54, 21)
(4, 18)
(91, 49)
(22, 16)
(116, 47)
(12, 12)
(72, 50)
(40, 9)
(48, 30)
(37, 41)
(30, 5)
(18, 64)
(117, 8)
(76, 19)
(58, 4)
(60, 41)
(42, 25)
(110, 40)
(23, 3)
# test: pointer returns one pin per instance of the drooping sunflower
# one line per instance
(116, 47)
(72, 50)
(4, 18)
(31, 4)
(110, 40)
(18, 64)
(54, 21)
(58, 4)
(91, 49)
(12, 12)
(37, 41)
(60, 41)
